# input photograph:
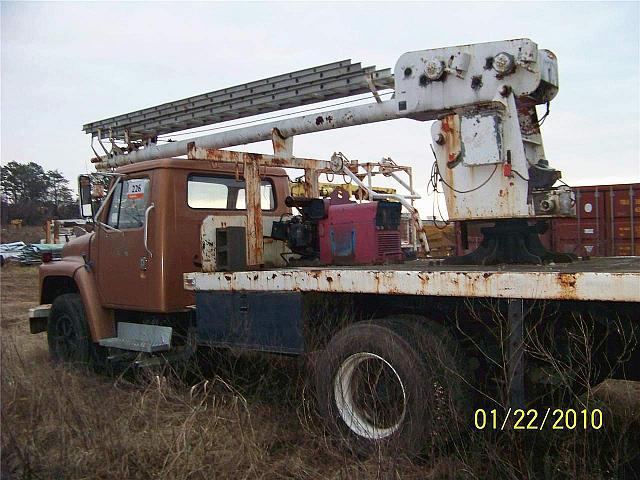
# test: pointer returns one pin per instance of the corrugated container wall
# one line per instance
(606, 216)
(607, 223)
(625, 207)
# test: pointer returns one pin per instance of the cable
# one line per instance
(267, 118)
(538, 124)
(518, 174)
(435, 199)
(473, 189)
(563, 183)
(544, 117)
(436, 204)
(433, 176)
(438, 176)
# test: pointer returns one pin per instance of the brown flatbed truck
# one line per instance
(206, 252)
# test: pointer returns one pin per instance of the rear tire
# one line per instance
(390, 384)
(68, 334)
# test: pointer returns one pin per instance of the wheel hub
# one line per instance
(370, 396)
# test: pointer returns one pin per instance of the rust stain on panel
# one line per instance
(496, 284)
(450, 127)
(255, 244)
(567, 280)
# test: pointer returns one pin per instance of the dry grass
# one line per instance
(61, 423)
(243, 417)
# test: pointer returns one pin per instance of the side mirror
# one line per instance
(86, 204)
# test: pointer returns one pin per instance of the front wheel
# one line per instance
(391, 384)
(68, 334)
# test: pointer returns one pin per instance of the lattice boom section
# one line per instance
(303, 87)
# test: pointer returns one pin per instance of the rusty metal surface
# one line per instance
(472, 147)
(272, 249)
(255, 246)
(253, 164)
(312, 168)
(311, 185)
(614, 279)
(229, 156)
(282, 146)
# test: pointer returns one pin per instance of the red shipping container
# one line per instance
(473, 236)
(622, 230)
(582, 238)
(625, 248)
(621, 241)
(590, 203)
(624, 201)
(605, 217)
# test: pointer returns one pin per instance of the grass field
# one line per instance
(241, 417)
(237, 421)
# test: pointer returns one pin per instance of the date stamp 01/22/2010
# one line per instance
(532, 419)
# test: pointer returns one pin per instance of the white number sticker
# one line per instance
(135, 189)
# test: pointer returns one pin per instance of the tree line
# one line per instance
(34, 195)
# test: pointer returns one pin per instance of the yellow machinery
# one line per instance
(297, 189)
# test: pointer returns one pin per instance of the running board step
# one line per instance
(138, 337)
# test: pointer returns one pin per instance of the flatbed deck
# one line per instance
(599, 279)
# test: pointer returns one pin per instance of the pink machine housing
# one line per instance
(362, 233)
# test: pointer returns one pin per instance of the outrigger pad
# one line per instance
(511, 241)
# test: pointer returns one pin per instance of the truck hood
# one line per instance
(77, 246)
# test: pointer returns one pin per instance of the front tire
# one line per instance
(388, 384)
(68, 333)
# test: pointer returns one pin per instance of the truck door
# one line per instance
(124, 265)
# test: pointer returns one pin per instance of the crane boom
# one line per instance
(486, 138)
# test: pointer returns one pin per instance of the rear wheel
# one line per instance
(370, 396)
(68, 334)
(392, 384)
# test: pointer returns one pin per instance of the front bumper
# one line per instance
(38, 317)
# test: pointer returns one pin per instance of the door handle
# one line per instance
(146, 229)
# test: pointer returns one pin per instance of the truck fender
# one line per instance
(101, 320)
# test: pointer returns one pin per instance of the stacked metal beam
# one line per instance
(303, 87)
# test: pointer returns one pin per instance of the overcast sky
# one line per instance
(66, 64)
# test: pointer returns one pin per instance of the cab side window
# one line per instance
(225, 193)
(128, 204)
(266, 197)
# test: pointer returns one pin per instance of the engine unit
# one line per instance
(342, 233)
(361, 233)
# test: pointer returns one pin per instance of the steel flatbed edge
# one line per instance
(603, 279)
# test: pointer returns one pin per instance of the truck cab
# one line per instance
(148, 234)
